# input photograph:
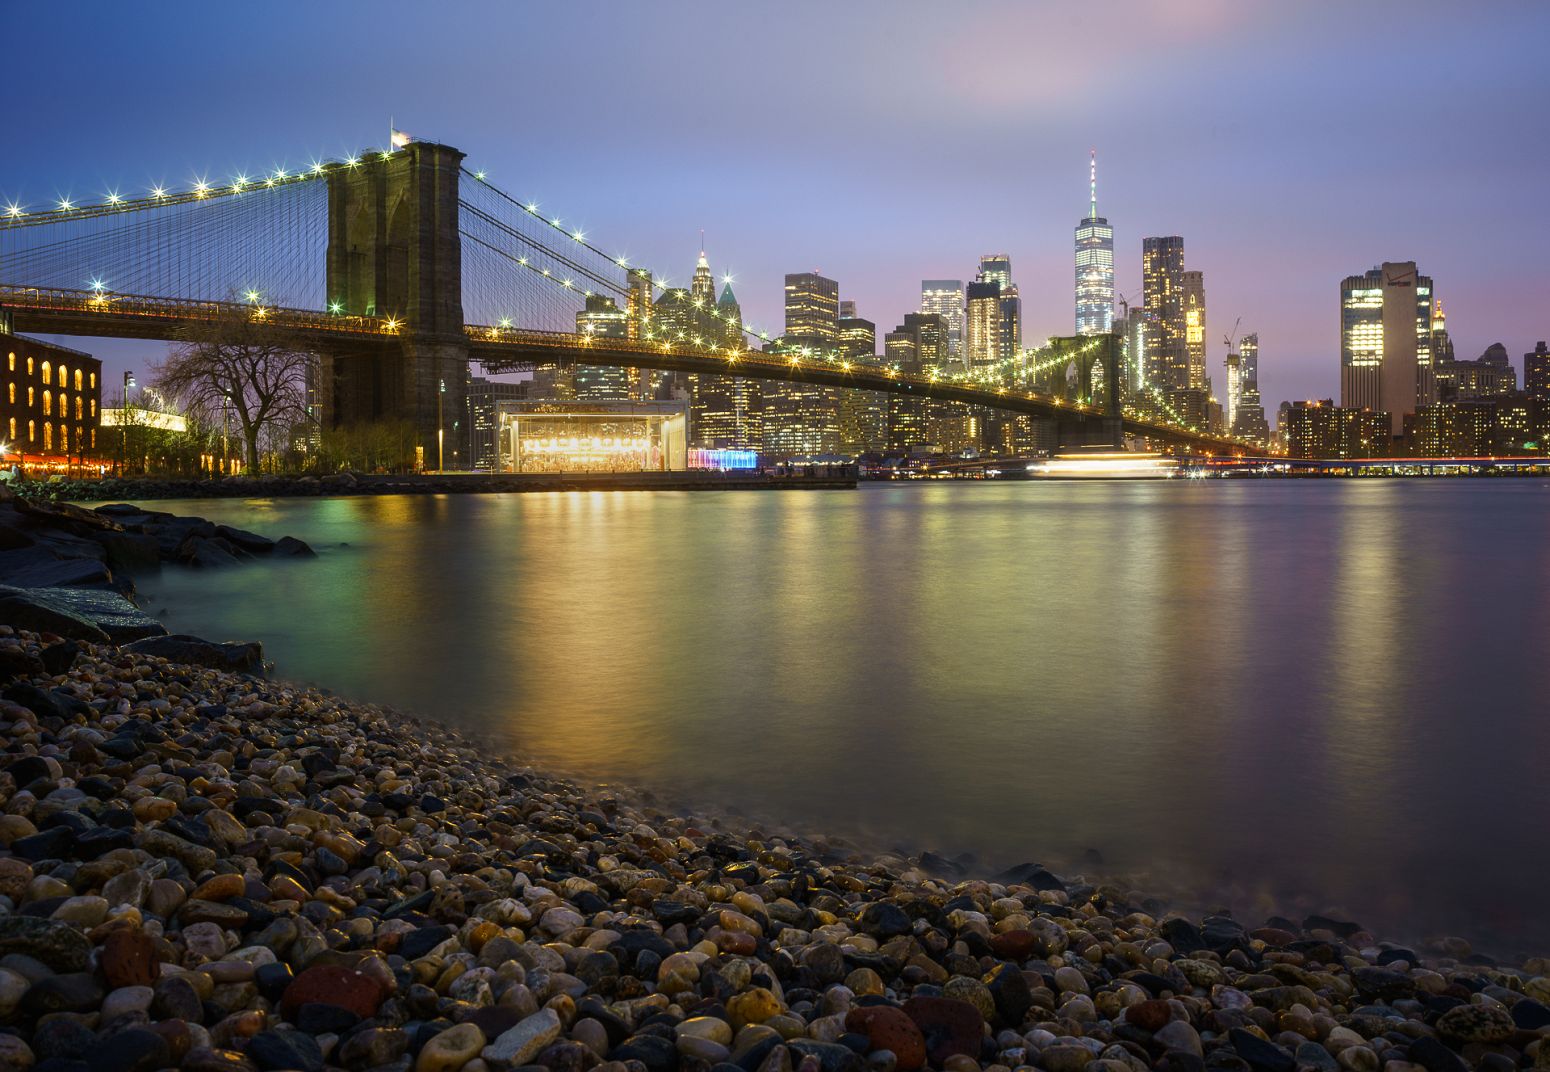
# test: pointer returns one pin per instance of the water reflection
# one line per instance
(1324, 695)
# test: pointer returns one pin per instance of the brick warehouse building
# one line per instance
(50, 403)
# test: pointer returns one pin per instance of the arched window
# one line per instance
(93, 381)
(64, 404)
(77, 379)
(13, 427)
(48, 436)
(29, 366)
(77, 412)
(31, 400)
(13, 394)
(94, 407)
(64, 438)
(48, 402)
(80, 440)
(64, 377)
(32, 431)
(94, 439)
(48, 371)
(11, 361)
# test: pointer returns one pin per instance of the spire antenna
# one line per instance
(1092, 183)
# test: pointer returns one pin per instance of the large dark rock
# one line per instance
(33, 610)
(291, 547)
(77, 613)
(207, 552)
(250, 542)
(131, 551)
(244, 657)
(39, 567)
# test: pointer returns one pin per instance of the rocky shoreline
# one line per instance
(208, 870)
(70, 571)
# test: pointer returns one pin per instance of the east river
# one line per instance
(1274, 695)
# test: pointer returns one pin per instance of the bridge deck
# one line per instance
(107, 315)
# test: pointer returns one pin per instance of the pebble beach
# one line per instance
(210, 870)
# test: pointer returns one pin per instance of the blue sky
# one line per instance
(880, 142)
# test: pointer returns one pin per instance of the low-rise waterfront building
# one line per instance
(50, 409)
(539, 436)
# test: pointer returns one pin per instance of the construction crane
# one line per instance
(1231, 339)
(1124, 301)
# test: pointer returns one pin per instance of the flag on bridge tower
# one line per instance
(398, 137)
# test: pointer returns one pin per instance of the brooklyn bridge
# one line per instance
(400, 267)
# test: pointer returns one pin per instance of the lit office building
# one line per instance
(1325, 430)
(601, 319)
(1386, 343)
(702, 286)
(800, 419)
(1460, 429)
(1488, 376)
(1011, 324)
(1249, 411)
(944, 298)
(863, 415)
(812, 310)
(726, 412)
(1094, 265)
(1195, 328)
(907, 417)
(1166, 361)
(484, 399)
(637, 306)
(1536, 371)
(932, 335)
(982, 326)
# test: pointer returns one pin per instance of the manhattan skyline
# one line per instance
(1267, 146)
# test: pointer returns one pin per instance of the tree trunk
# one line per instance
(251, 435)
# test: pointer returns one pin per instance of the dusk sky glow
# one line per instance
(881, 142)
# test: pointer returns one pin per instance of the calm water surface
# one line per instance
(1284, 696)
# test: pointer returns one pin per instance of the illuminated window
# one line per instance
(78, 412)
(32, 431)
(13, 427)
(48, 371)
(12, 363)
(29, 366)
(94, 438)
(64, 438)
(94, 407)
(48, 436)
(48, 403)
(94, 381)
(64, 404)
(78, 438)
(77, 379)
(64, 376)
(30, 400)
(13, 394)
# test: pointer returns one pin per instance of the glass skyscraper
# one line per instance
(944, 298)
(1094, 265)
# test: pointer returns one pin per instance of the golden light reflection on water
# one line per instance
(1274, 690)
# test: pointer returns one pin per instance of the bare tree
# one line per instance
(238, 364)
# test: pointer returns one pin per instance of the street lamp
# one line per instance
(440, 431)
(123, 423)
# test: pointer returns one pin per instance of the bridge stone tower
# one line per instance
(394, 251)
